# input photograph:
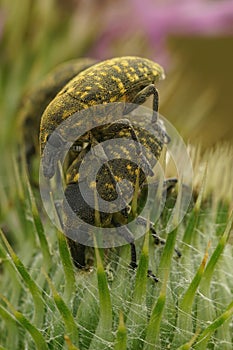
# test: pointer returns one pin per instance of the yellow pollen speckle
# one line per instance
(132, 69)
(124, 63)
(64, 115)
(93, 184)
(132, 77)
(143, 140)
(155, 73)
(118, 178)
(109, 186)
(129, 167)
(117, 68)
(113, 98)
(125, 151)
(120, 85)
(76, 177)
(123, 133)
(104, 74)
(84, 94)
(100, 86)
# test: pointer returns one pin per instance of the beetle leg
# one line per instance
(124, 124)
(133, 263)
(127, 235)
(169, 184)
(144, 222)
(158, 240)
(77, 251)
(143, 95)
(141, 98)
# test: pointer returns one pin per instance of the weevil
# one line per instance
(123, 79)
(109, 175)
(37, 99)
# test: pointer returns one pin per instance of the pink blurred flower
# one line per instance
(185, 17)
(160, 19)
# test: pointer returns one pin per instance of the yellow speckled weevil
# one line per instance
(123, 79)
(126, 79)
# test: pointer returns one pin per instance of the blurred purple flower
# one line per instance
(158, 20)
(184, 17)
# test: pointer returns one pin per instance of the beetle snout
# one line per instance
(48, 168)
(48, 171)
(54, 147)
(49, 160)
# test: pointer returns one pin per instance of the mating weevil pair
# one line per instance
(128, 82)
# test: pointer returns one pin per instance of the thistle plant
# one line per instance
(46, 303)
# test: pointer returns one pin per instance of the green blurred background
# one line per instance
(191, 39)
